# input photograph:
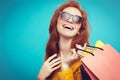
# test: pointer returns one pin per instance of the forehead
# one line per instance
(72, 10)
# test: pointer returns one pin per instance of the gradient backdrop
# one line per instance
(24, 32)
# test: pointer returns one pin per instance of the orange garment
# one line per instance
(73, 73)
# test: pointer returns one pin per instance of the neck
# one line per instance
(65, 44)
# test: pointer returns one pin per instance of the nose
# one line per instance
(70, 20)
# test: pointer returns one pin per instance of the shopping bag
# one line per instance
(84, 74)
(103, 65)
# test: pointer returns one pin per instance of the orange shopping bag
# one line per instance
(103, 65)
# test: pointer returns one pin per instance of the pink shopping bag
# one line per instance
(104, 65)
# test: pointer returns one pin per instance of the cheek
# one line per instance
(57, 26)
(59, 23)
(78, 27)
(59, 19)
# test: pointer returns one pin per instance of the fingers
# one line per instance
(55, 64)
(48, 68)
(80, 53)
(55, 60)
(50, 58)
(74, 55)
(51, 64)
(84, 46)
(80, 47)
(56, 67)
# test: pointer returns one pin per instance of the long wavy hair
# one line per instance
(52, 46)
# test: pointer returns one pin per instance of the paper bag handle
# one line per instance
(91, 47)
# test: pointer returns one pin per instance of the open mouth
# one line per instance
(68, 27)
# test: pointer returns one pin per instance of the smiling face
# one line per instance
(69, 22)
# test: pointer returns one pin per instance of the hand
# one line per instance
(79, 52)
(67, 58)
(49, 66)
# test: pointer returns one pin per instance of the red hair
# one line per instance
(52, 46)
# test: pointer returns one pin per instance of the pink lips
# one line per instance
(68, 27)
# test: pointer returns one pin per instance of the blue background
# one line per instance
(24, 32)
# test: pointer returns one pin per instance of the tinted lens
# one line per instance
(65, 16)
(77, 19)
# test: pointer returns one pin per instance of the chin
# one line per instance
(68, 36)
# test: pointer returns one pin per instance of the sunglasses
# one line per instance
(75, 18)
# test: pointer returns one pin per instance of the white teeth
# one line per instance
(68, 27)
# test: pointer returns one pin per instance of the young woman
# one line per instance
(68, 27)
